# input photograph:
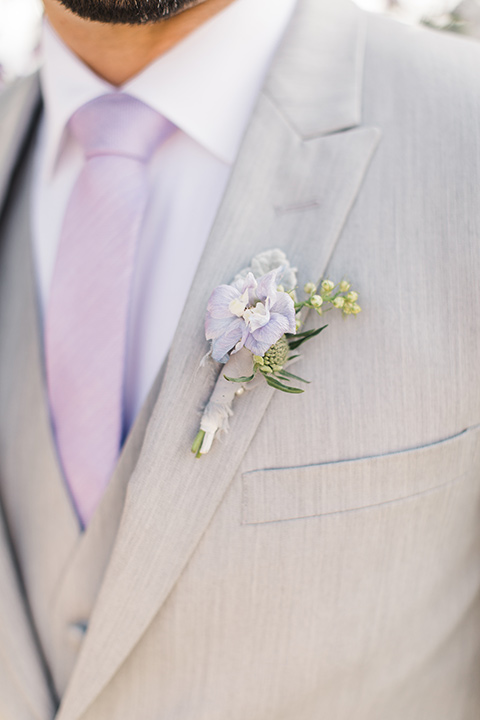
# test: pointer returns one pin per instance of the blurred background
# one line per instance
(20, 23)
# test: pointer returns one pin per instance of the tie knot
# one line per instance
(119, 124)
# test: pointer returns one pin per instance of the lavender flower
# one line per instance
(251, 313)
(253, 325)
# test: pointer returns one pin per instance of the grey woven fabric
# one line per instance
(323, 561)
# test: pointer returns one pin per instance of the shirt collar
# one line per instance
(206, 85)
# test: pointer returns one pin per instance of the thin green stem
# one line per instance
(197, 443)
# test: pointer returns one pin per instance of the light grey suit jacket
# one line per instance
(323, 561)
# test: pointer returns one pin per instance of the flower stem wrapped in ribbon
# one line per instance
(254, 325)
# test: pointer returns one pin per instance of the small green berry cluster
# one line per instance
(329, 296)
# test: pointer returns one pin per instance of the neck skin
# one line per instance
(118, 52)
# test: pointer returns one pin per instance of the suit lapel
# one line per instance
(285, 192)
(23, 666)
(18, 106)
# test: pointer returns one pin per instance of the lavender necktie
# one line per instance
(86, 320)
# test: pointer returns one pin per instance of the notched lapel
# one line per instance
(285, 192)
(317, 77)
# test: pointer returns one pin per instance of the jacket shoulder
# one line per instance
(409, 67)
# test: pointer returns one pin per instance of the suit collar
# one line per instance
(284, 192)
(209, 101)
(315, 98)
(323, 96)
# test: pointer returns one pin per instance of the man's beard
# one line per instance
(128, 12)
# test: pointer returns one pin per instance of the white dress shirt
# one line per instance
(207, 86)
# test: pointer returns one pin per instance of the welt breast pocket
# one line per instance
(288, 493)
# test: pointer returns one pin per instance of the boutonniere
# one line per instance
(254, 326)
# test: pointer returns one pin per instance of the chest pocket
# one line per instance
(311, 490)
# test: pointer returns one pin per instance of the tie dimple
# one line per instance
(86, 320)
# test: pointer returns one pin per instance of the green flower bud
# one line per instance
(339, 302)
(344, 286)
(352, 297)
(327, 286)
(310, 288)
(316, 301)
(356, 309)
(276, 356)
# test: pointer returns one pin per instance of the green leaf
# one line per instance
(273, 382)
(304, 333)
(243, 379)
(297, 344)
(302, 337)
(288, 375)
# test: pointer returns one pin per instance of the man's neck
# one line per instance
(118, 52)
